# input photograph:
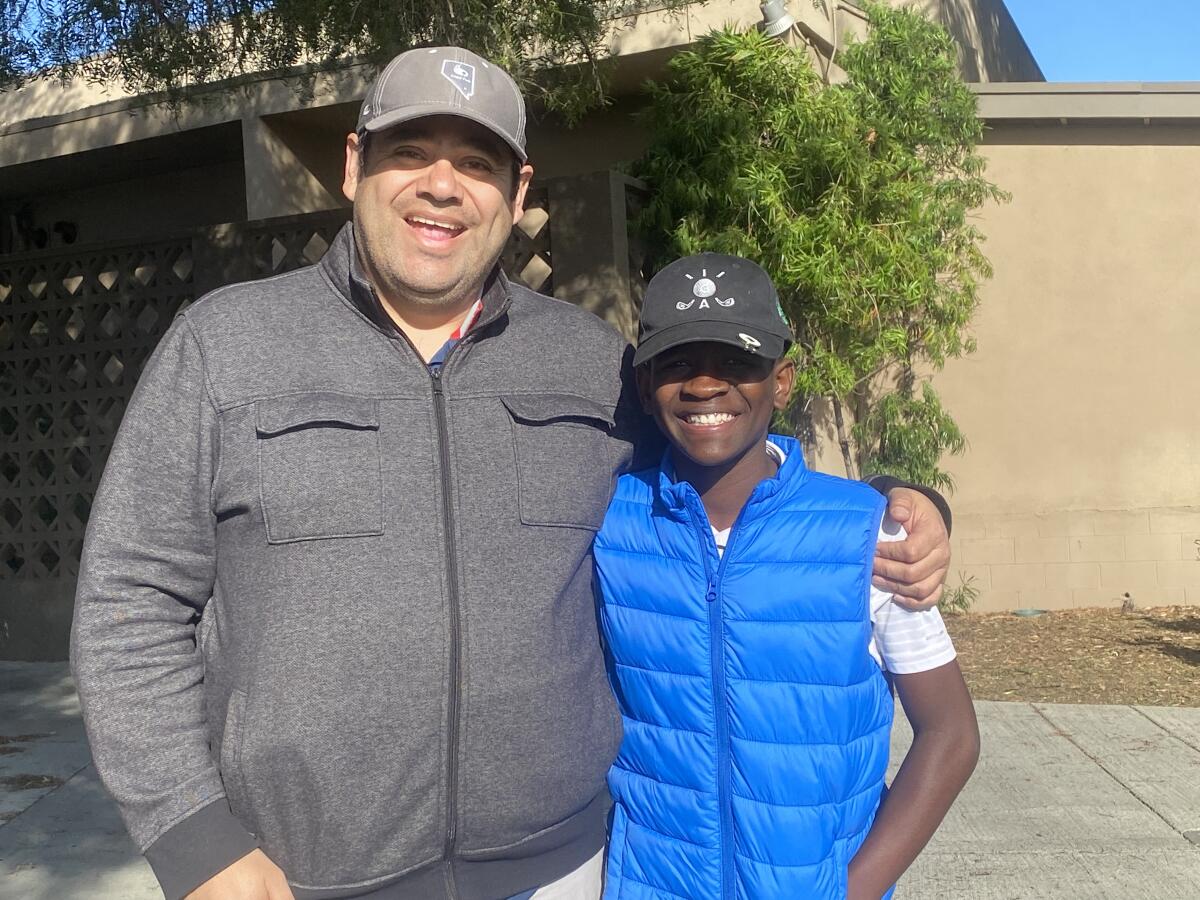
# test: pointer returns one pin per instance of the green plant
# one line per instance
(960, 598)
(856, 197)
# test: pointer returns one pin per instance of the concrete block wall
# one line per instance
(1080, 558)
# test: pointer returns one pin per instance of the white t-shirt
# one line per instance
(902, 641)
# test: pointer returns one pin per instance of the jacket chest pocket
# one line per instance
(319, 467)
(564, 473)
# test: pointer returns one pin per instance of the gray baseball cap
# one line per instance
(446, 81)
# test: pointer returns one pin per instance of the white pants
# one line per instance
(585, 883)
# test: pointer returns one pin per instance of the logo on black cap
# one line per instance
(712, 297)
(703, 289)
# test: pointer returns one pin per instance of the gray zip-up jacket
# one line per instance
(340, 608)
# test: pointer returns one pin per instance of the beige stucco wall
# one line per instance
(991, 47)
(1082, 480)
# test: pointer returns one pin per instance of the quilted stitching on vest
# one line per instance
(756, 722)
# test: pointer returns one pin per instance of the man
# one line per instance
(335, 613)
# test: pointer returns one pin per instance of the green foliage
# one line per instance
(855, 197)
(960, 598)
(552, 47)
(908, 434)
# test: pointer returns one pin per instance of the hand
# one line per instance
(253, 877)
(915, 568)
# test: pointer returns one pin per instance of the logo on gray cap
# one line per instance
(461, 75)
(414, 85)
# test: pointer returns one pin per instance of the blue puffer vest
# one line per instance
(756, 721)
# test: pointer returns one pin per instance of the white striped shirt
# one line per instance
(902, 641)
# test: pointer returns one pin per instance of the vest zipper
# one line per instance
(716, 633)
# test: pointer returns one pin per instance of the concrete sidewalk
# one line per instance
(1068, 802)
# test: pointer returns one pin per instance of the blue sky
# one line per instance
(1112, 40)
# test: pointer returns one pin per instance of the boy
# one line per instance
(734, 587)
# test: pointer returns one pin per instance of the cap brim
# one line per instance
(425, 110)
(769, 346)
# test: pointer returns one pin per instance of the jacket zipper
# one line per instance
(439, 413)
(716, 632)
(455, 700)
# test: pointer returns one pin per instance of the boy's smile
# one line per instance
(714, 403)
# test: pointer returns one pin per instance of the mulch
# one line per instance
(1149, 657)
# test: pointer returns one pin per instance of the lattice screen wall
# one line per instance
(280, 245)
(527, 257)
(75, 331)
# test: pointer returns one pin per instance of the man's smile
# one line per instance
(435, 229)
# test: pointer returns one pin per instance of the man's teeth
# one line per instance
(448, 226)
(709, 419)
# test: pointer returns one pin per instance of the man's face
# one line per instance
(713, 401)
(434, 203)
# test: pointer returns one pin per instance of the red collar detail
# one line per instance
(471, 318)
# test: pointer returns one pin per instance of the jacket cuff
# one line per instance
(886, 483)
(197, 848)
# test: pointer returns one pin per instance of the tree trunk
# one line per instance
(862, 409)
(799, 419)
(843, 439)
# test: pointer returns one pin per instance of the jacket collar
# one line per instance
(345, 270)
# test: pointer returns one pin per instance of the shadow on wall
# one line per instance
(142, 188)
(140, 165)
(991, 47)
(597, 262)
(35, 617)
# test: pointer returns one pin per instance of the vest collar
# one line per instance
(679, 497)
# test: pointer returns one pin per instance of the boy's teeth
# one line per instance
(709, 419)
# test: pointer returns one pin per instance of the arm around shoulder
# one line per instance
(885, 484)
(913, 570)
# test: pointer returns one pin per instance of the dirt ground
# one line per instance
(1149, 657)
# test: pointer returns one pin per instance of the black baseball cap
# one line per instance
(712, 297)
(446, 81)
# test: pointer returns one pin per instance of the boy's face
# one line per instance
(713, 401)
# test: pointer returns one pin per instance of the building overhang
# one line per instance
(1089, 103)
